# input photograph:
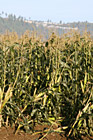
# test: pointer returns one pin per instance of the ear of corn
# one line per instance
(3, 101)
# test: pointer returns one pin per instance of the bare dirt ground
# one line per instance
(8, 134)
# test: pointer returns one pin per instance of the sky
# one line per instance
(54, 10)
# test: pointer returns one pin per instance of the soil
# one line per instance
(8, 134)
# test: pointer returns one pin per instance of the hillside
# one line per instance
(20, 25)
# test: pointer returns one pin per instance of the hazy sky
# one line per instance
(54, 10)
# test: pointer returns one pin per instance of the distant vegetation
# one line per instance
(12, 23)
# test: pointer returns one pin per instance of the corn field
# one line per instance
(47, 82)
